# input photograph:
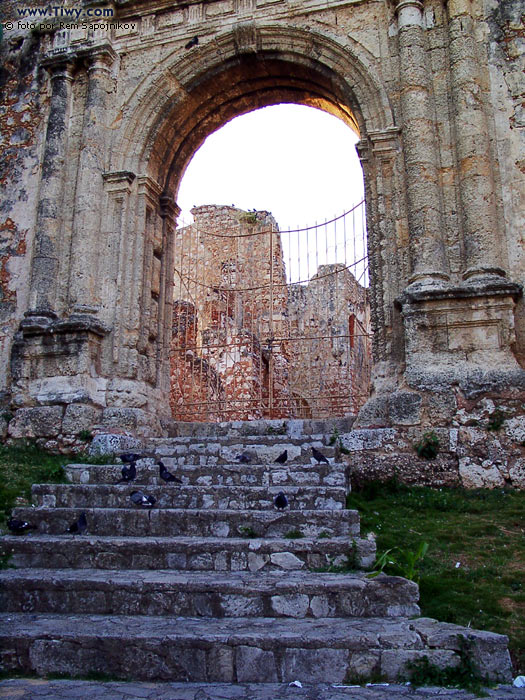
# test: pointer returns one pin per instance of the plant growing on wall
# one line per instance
(428, 446)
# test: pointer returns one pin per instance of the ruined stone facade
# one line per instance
(100, 121)
(249, 344)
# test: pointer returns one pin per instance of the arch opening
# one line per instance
(267, 333)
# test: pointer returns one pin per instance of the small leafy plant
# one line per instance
(400, 562)
(465, 675)
(335, 439)
(248, 217)
(84, 435)
(294, 535)
(496, 421)
(428, 446)
(247, 532)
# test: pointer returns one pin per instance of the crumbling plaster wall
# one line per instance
(23, 111)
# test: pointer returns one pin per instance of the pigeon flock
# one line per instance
(143, 500)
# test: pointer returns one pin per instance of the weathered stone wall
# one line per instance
(231, 295)
(99, 123)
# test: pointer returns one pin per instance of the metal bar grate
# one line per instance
(269, 323)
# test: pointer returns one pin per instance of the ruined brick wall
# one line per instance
(235, 313)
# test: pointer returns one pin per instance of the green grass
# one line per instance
(22, 466)
(483, 530)
(25, 464)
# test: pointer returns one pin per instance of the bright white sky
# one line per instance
(299, 163)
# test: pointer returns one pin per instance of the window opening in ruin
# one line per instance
(261, 316)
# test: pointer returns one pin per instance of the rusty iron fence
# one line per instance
(269, 323)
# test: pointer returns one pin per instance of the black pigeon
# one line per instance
(192, 42)
(129, 457)
(280, 501)
(244, 458)
(166, 475)
(281, 459)
(18, 526)
(129, 472)
(78, 526)
(139, 498)
(319, 456)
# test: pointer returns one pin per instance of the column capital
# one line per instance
(99, 57)
(409, 13)
(168, 208)
(59, 66)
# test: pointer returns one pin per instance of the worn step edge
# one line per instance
(186, 553)
(188, 497)
(238, 649)
(233, 594)
(227, 475)
(168, 521)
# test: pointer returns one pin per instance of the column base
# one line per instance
(460, 331)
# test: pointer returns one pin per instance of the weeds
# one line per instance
(428, 446)
(247, 532)
(294, 535)
(465, 675)
(400, 562)
(471, 574)
(335, 439)
(496, 421)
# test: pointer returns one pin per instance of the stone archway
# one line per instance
(257, 67)
(129, 105)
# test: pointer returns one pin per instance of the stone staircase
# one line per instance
(214, 584)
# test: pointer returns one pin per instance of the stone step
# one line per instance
(198, 594)
(186, 553)
(291, 427)
(195, 497)
(237, 649)
(199, 523)
(264, 450)
(227, 475)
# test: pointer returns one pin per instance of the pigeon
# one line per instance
(244, 458)
(319, 456)
(166, 475)
(139, 498)
(78, 526)
(129, 472)
(281, 459)
(280, 501)
(18, 526)
(129, 457)
(192, 42)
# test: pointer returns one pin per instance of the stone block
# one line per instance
(220, 664)
(394, 661)
(254, 665)
(475, 476)
(405, 408)
(286, 560)
(314, 665)
(111, 443)
(293, 605)
(39, 421)
(517, 474)
(79, 417)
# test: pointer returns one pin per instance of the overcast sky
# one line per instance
(299, 163)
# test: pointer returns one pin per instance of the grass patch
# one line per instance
(22, 466)
(294, 535)
(472, 572)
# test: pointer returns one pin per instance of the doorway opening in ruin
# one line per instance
(270, 321)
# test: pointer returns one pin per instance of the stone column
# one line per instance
(49, 214)
(84, 283)
(475, 171)
(427, 250)
(169, 211)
